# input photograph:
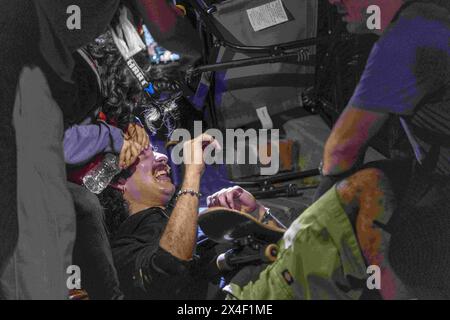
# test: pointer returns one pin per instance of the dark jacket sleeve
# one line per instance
(83, 142)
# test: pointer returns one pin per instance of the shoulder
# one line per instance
(427, 19)
(436, 10)
(419, 25)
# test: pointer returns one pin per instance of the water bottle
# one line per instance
(100, 177)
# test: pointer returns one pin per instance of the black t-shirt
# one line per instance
(145, 270)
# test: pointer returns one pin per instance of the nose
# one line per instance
(160, 158)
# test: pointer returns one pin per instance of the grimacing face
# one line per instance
(150, 184)
(355, 12)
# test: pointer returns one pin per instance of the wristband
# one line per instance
(188, 191)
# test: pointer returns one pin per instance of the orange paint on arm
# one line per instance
(349, 137)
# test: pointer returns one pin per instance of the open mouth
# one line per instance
(161, 172)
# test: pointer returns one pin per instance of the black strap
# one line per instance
(424, 134)
(440, 139)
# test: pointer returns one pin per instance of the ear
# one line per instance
(119, 184)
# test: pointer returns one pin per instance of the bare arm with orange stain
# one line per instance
(349, 138)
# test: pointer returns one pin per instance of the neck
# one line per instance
(135, 207)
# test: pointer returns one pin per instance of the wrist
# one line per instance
(190, 192)
(192, 173)
(335, 172)
(191, 181)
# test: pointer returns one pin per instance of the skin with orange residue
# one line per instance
(349, 138)
(355, 127)
(368, 195)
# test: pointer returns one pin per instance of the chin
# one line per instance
(167, 188)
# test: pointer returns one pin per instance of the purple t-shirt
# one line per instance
(409, 62)
(408, 74)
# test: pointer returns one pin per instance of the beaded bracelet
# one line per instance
(188, 191)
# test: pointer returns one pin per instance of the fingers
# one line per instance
(227, 198)
(237, 191)
(135, 151)
(140, 136)
(206, 139)
(209, 201)
(230, 199)
(129, 153)
(213, 200)
(234, 198)
(194, 153)
(127, 157)
(131, 131)
(122, 153)
(223, 201)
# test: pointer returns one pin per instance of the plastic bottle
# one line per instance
(100, 177)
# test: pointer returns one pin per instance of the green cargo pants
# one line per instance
(319, 258)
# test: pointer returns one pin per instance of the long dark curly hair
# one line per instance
(116, 209)
(121, 91)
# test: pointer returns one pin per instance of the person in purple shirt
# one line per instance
(406, 78)
(37, 221)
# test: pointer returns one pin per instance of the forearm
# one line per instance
(343, 148)
(349, 139)
(339, 158)
(82, 142)
(180, 235)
